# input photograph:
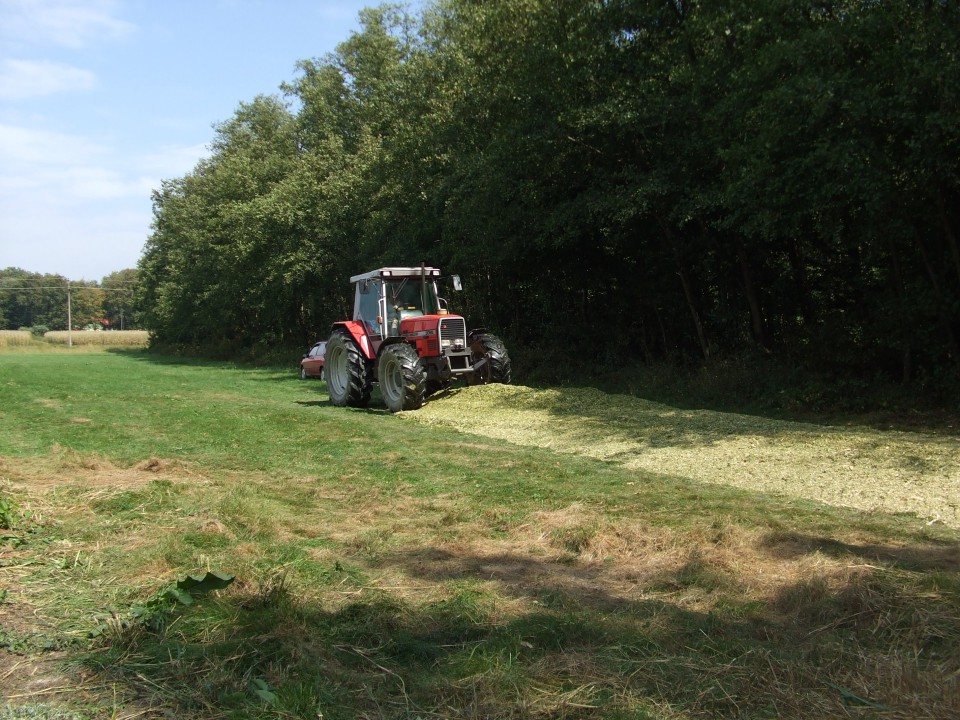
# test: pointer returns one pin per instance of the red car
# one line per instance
(311, 366)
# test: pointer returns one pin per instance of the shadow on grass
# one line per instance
(513, 636)
(939, 556)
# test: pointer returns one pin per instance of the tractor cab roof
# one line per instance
(398, 272)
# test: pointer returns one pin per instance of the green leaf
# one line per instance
(177, 594)
(205, 583)
(263, 691)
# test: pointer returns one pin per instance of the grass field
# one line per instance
(385, 568)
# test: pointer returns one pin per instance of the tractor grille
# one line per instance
(454, 330)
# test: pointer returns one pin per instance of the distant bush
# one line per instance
(39, 330)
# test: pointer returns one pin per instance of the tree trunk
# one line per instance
(949, 235)
(800, 282)
(757, 325)
(942, 309)
(684, 276)
(906, 351)
(663, 332)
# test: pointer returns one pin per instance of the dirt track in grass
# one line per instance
(864, 468)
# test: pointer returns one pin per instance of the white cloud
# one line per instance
(76, 206)
(25, 150)
(79, 169)
(65, 23)
(22, 79)
(172, 161)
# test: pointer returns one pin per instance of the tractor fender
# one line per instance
(472, 334)
(390, 342)
(356, 330)
(395, 340)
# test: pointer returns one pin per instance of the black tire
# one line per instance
(403, 379)
(347, 371)
(497, 367)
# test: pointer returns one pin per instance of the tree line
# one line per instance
(39, 300)
(614, 180)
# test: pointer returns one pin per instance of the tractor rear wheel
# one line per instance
(347, 371)
(497, 368)
(403, 379)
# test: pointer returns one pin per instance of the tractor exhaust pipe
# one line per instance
(423, 285)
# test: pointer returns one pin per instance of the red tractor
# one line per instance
(403, 338)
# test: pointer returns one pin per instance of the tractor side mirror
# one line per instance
(457, 285)
(364, 287)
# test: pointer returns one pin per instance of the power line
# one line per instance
(65, 288)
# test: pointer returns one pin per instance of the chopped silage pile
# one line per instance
(864, 468)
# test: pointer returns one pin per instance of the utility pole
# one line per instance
(69, 319)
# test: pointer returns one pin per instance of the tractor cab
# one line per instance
(387, 297)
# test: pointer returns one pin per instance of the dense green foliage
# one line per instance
(655, 179)
(35, 300)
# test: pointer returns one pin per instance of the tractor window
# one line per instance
(405, 298)
(368, 307)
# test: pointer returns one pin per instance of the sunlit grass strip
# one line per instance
(14, 338)
(112, 338)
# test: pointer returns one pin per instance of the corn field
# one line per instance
(13, 338)
(112, 338)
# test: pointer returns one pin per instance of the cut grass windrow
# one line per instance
(865, 468)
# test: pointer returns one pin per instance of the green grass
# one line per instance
(394, 570)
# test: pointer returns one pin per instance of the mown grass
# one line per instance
(390, 570)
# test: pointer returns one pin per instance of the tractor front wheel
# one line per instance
(403, 379)
(347, 371)
(497, 368)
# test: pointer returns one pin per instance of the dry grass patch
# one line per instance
(587, 555)
(810, 655)
(64, 467)
(760, 608)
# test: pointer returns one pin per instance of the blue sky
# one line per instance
(101, 99)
